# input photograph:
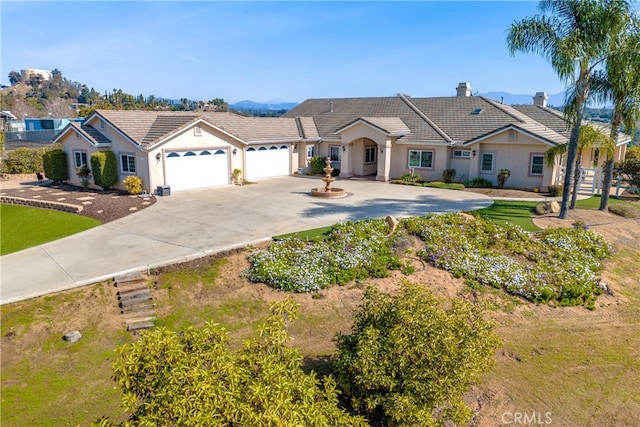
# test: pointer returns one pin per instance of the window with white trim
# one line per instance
(128, 163)
(421, 159)
(334, 153)
(311, 151)
(80, 158)
(487, 162)
(370, 154)
(462, 154)
(197, 131)
(536, 166)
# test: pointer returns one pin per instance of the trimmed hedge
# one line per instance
(55, 165)
(23, 160)
(105, 169)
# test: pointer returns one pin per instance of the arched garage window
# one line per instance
(173, 154)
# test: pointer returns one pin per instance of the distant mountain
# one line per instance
(257, 106)
(555, 100)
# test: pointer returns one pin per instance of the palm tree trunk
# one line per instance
(606, 185)
(582, 92)
(576, 180)
(608, 167)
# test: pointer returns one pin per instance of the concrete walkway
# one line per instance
(192, 224)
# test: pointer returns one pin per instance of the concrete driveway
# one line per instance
(193, 224)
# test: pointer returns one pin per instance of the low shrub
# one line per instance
(411, 177)
(318, 164)
(478, 183)
(555, 190)
(133, 184)
(625, 211)
(85, 175)
(448, 175)
(23, 160)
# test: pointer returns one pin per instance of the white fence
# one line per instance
(590, 181)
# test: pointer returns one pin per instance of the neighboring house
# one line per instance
(381, 137)
(5, 118)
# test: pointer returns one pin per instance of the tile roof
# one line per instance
(330, 115)
(255, 129)
(90, 133)
(389, 125)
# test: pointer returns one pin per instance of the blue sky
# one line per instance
(266, 51)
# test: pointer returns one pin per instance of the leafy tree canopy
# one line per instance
(412, 357)
(194, 379)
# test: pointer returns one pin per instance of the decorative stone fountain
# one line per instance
(327, 191)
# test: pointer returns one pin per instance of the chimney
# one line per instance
(463, 89)
(541, 99)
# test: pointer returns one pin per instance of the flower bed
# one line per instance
(352, 250)
(558, 265)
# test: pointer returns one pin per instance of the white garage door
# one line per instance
(267, 160)
(186, 170)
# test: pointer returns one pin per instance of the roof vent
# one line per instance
(463, 89)
(331, 107)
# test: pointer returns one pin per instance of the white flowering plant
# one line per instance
(352, 250)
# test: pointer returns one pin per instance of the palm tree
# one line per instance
(619, 83)
(590, 137)
(572, 35)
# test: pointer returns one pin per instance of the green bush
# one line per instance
(413, 357)
(411, 178)
(478, 183)
(448, 175)
(555, 190)
(628, 172)
(105, 169)
(196, 378)
(23, 160)
(318, 164)
(55, 165)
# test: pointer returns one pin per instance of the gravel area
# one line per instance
(105, 206)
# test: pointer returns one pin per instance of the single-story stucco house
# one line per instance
(383, 137)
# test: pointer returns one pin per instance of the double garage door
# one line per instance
(191, 169)
(267, 161)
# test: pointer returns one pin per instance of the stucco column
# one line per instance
(346, 161)
(384, 161)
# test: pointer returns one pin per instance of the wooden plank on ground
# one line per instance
(139, 326)
(138, 308)
(132, 295)
(135, 301)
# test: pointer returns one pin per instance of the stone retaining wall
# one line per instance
(65, 207)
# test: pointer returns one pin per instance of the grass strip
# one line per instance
(24, 227)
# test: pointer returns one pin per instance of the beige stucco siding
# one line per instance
(400, 161)
(119, 145)
(517, 159)
(209, 138)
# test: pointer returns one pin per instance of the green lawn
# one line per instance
(24, 227)
(311, 235)
(518, 213)
(522, 213)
